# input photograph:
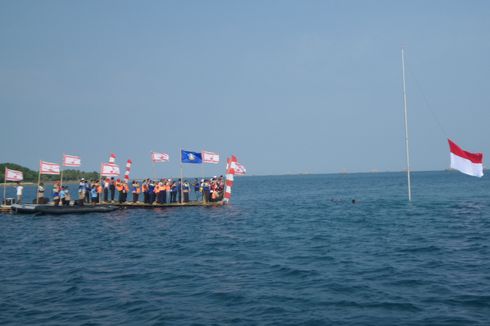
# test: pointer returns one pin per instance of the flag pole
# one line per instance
(153, 167)
(181, 178)
(38, 183)
(61, 168)
(5, 186)
(406, 127)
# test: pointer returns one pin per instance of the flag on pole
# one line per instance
(240, 169)
(109, 170)
(49, 168)
(465, 162)
(70, 160)
(128, 170)
(191, 157)
(13, 175)
(159, 157)
(112, 159)
(210, 157)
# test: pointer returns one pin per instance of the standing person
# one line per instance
(56, 194)
(20, 192)
(145, 191)
(62, 196)
(163, 190)
(151, 190)
(196, 188)
(112, 188)
(106, 189)
(186, 189)
(206, 191)
(125, 191)
(179, 191)
(93, 194)
(87, 191)
(135, 190)
(40, 193)
(67, 196)
(173, 192)
(168, 188)
(81, 190)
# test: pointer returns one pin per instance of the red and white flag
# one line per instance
(112, 159)
(128, 169)
(159, 157)
(210, 157)
(466, 162)
(70, 160)
(240, 169)
(109, 170)
(49, 168)
(13, 175)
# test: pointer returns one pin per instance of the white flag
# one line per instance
(49, 168)
(159, 157)
(210, 157)
(109, 170)
(13, 175)
(70, 160)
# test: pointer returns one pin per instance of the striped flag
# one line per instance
(210, 157)
(240, 169)
(13, 175)
(109, 170)
(70, 160)
(465, 162)
(49, 168)
(159, 157)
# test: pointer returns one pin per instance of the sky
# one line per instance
(286, 86)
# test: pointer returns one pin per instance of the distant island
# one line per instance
(31, 175)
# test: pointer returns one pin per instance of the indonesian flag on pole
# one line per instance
(109, 170)
(210, 157)
(49, 168)
(159, 157)
(70, 160)
(466, 162)
(112, 159)
(13, 175)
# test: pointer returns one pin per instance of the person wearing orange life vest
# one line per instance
(125, 190)
(135, 190)
(156, 191)
(99, 191)
(162, 193)
(144, 190)
(119, 189)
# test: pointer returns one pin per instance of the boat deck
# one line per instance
(7, 209)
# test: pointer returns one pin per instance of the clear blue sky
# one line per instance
(287, 86)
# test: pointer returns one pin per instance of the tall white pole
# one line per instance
(5, 187)
(406, 127)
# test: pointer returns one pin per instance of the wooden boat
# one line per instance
(59, 210)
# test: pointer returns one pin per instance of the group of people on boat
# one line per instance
(148, 191)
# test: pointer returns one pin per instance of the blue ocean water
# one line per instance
(289, 250)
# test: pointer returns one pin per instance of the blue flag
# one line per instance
(191, 157)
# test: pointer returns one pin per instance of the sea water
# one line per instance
(289, 250)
